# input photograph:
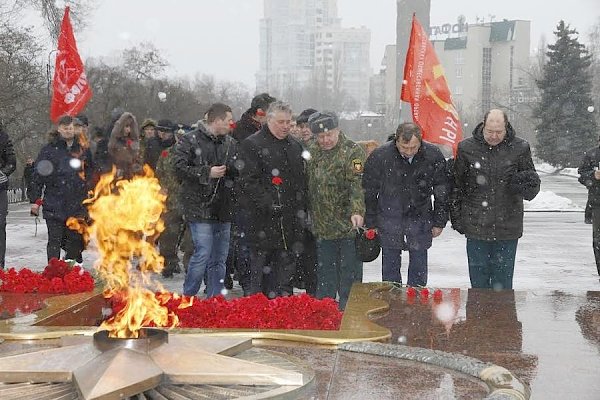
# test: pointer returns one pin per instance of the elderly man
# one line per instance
(493, 173)
(401, 178)
(273, 194)
(204, 162)
(337, 204)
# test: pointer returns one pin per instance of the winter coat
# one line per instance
(153, 148)
(61, 183)
(245, 127)
(398, 195)
(272, 191)
(590, 164)
(8, 160)
(124, 151)
(204, 198)
(490, 185)
(334, 187)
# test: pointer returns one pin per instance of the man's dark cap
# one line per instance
(304, 115)
(262, 101)
(165, 125)
(81, 120)
(322, 122)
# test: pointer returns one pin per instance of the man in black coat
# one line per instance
(204, 162)
(8, 164)
(253, 119)
(61, 181)
(273, 192)
(493, 173)
(589, 175)
(399, 180)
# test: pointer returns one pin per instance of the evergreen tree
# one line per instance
(566, 127)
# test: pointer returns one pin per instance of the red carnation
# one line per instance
(232, 125)
(370, 234)
(276, 180)
(411, 292)
(424, 293)
(129, 142)
(164, 153)
(437, 295)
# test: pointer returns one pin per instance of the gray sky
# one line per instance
(220, 37)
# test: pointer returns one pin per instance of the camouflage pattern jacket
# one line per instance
(167, 178)
(335, 189)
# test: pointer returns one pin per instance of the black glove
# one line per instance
(525, 183)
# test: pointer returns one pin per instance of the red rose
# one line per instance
(370, 234)
(129, 142)
(232, 125)
(424, 293)
(437, 295)
(164, 153)
(411, 292)
(276, 180)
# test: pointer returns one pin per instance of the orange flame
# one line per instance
(126, 223)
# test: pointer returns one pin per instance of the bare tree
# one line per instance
(144, 61)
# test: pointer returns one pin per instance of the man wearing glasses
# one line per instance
(493, 174)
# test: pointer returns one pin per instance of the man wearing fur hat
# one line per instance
(337, 203)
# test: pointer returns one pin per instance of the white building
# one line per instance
(294, 34)
(342, 61)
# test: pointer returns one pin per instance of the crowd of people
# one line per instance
(276, 200)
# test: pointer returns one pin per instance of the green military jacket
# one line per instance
(167, 179)
(335, 188)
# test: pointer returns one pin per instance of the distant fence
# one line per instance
(16, 195)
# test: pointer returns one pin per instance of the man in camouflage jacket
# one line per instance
(334, 173)
(173, 214)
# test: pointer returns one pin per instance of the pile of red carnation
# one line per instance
(59, 277)
(254, 312)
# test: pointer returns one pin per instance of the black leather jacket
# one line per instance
(204, 198)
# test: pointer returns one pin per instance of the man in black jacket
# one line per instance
(253, 119)
(589, 175)
(204, 161)
(493, 173)
(273, 192)
(8, 164)
(400, 178)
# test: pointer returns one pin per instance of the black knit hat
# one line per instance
(322, 122)
(262, 101)
(165, 125)
(304, 115)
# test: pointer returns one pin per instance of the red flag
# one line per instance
(71, 88)
(425, 87)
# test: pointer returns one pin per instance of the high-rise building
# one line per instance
(486, 66)
(302, 43)
(342, 63)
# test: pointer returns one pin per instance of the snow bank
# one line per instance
(549, 201)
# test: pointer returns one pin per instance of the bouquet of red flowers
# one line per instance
(59, 277)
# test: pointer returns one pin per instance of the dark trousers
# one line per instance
(59, 236)
(491, 263)
(271, 272)
(175, 233)
(306, 264)
(3, 214)
(391, 262)
(596, 236)
(338, 269)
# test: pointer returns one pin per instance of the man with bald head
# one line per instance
(493, 174)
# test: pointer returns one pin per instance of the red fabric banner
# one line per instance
(426, 89)
(71, 90)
